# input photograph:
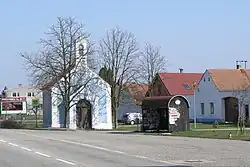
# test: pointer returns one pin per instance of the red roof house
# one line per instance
(166, 84)
(137, 92)
(170, 84)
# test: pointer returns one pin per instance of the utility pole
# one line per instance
(194, 86)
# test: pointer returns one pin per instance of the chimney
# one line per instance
(181, 70)
(81, 49)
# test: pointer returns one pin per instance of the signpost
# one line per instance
(36, 105)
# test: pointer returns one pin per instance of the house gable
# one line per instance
(206, 83)
(157, 88)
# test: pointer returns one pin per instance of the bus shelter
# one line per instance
(168, 113)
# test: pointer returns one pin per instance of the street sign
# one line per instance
(35, 102)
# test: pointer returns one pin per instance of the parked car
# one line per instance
(132, 118)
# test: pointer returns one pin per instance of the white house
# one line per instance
(95, 91)
(217, 93)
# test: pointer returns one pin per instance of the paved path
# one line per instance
(81, 148)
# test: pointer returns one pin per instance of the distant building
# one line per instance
(131, 99)
(28, 92)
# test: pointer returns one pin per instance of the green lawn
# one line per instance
(202, 131)
(215, 134)
(128, 127)
(210, 126)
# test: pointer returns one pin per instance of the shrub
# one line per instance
(247, 124)
(215, 124)
(11, 124)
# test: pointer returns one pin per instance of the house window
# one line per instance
(208, 79)
(204, 79)
(186, 86)
(211, 108)
(18, 94)
(202, 109)
(14, 94)
(29, 94)
(33, 94)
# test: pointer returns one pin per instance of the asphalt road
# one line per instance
(23, 148)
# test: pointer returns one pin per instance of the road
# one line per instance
(22, 148)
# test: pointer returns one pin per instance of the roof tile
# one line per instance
(176, 82)
(230, 79)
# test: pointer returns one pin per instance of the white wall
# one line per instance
(207, 92)
(190, 99)
(22, 91)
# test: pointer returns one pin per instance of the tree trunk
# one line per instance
(114, 113)
(65, 118)
(36, 118)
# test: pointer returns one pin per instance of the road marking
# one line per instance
(13, 144)
(119, 152)
(3, 141)
(42, 154)
(27, 149)
(67, 162)
(101, 148)
(139, 156)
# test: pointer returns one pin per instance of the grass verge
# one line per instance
(214, 134)
(124, 127)
(211, 126)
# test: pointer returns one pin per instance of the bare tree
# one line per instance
(119, 51)
(150, 63)
(242, 95)
(61, 63)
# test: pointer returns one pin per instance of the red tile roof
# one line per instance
(175, 82)
(230, 79)
(137, 92)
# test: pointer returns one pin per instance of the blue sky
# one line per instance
(194, 34)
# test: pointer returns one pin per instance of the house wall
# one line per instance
(158, 88)
(47, 108)
(190, 99)
(28, 91)
(207, 93)
(127, 105)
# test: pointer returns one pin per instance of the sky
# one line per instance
(194, 35)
